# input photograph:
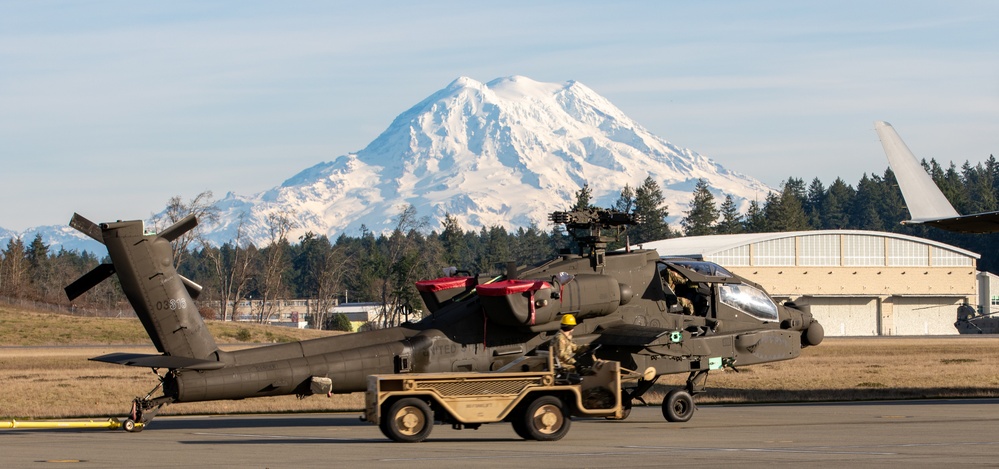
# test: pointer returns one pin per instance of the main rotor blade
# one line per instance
(89, 280)
(86, 227)
(178, 229)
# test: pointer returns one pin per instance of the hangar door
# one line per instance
(845, 316)
(925, 315)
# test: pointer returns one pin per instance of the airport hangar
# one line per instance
(857, 283)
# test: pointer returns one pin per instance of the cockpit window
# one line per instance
(749, 300)
(708, 269)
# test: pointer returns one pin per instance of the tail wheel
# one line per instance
(545, 419)
(678, 406)
(408, 420)
(129, 426)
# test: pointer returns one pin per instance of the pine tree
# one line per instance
(702, 215)
(865, 212)
(584, 197)
(813, 203)
(790, 215)
(731, 220)
(754, 221)
(651, 207)
(835, 211)
(453, 240)
(626, 201)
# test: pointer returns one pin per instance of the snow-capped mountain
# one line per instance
(504, 153)
(56, 237)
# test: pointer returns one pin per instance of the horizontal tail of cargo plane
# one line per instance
(926, 203)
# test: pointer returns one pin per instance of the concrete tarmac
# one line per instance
(934, 433)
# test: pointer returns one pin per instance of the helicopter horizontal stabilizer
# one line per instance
(86, 227)
(159, 361)
(178, 229)
(89, 280)
(192, 288)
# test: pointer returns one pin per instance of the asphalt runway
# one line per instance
(875, 434)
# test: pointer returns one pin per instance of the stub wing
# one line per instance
(632, 335)
(158, 361)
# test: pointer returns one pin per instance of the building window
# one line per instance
(944, 258)
(905, 253)
(734, 257)
(820, 250)
(861, 250)
(776, 252)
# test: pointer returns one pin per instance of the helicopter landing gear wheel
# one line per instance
(408, 420)
(678, 406)
(545, 419)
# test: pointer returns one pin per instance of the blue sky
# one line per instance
(110, 108)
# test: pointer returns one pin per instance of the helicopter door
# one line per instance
(669, 295)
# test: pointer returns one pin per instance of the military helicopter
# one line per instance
(627, 308)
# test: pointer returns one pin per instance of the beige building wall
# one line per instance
(851, 301)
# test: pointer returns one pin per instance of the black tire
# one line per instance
(545, 419)
(407, 420)
(678, 406)
(520, 428)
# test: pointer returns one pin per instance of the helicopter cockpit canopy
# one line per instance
(701, 271)
(749, 300)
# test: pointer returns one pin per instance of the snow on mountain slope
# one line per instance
(505, 153)
(56, 237)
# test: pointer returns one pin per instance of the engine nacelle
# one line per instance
(536, 302)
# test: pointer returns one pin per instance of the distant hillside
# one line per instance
(19, 327)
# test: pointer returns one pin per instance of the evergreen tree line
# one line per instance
(383, 268)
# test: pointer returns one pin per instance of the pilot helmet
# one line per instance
(568, 320)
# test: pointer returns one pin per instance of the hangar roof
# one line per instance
(700, 246)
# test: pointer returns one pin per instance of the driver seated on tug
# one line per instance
(563, 348)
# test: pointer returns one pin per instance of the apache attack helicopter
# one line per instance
(627, 306)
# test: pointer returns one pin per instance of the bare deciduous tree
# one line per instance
(231, 263)
(202, 206)
(271, 282)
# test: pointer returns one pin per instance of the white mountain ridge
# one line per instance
(503, 153)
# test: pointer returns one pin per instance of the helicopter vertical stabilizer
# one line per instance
(162, 298)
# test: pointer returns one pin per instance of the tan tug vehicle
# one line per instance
(538, 404)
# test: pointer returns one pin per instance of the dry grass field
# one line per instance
(46, 381)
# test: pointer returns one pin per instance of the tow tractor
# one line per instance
(538, 404)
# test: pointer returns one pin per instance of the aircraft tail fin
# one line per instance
(925, 201)
(921, 194)
(162, 299)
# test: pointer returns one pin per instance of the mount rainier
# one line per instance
(506, 153)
